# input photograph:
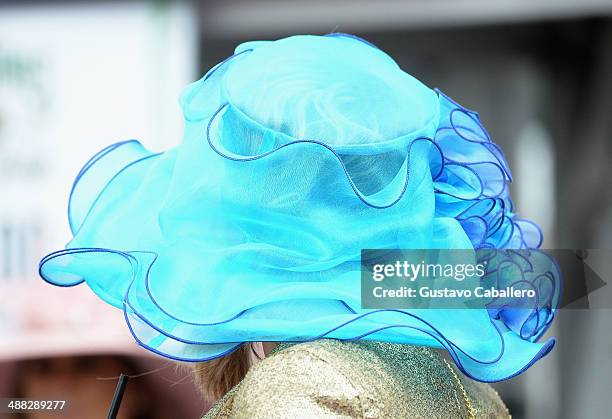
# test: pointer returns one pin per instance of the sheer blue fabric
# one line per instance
(296, 155)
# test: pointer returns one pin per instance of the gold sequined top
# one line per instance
(334, 379)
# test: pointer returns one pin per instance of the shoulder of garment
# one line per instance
(334, 379)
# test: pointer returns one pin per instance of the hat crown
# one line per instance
(333, 89)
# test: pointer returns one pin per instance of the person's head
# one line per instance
(315, 94)
(297, 155)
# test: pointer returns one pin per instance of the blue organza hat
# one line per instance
(297, 154)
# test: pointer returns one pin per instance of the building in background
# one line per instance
(75, 77)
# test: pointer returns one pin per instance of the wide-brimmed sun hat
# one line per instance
(298, 154)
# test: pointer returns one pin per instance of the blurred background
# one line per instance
(76, 76)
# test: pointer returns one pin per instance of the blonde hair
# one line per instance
(217, 376)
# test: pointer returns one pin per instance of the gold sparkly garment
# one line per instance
(334, 379)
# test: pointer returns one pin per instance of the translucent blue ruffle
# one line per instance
(297, 154)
